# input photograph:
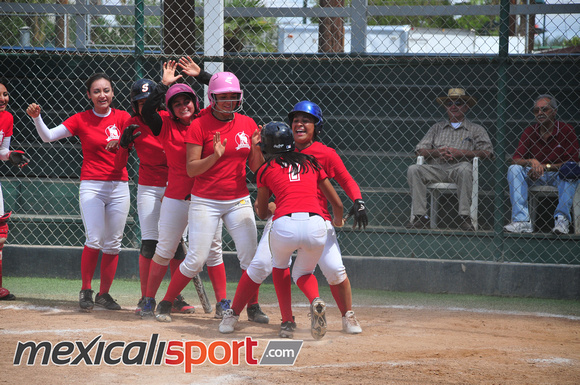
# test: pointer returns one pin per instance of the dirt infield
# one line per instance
(399, 344)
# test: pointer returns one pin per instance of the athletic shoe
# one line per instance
(350, 324)
(255, 314)
(317, 318)
(5, 295)
(220, 307)
(148, 308)
(180, 306)
(287, 329)
(163, 311)
(106, 301)
(139, 306)
(86, 300)
(419, 222)
(519, 227)
(229, 322)
(561, 226)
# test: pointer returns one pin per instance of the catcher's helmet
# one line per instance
(224, 83)
(141, 89)
(311, 109)
(277, 138)
(177, 89)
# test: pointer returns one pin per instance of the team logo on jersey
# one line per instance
(242, 140)
(113, 133)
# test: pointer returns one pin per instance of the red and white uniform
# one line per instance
(152, 176)
(6, 130)
(330, 262)
(297, 223)
(104, 190)
(221, 192)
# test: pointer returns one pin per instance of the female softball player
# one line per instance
(104, 191)
(183, 107)
(153, 172)
(17, 158)
(219, 143)
(307, 122)
(294, 179)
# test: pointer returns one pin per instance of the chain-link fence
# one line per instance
(376, 68)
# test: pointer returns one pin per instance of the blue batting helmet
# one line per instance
(311, 109)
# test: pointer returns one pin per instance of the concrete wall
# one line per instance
(393, 274)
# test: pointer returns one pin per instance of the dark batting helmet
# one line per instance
(277, 138)
(141, 90)
(309, 108)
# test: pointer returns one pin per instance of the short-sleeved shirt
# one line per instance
(152, 160)
(562, 146)
(226, 179)
(469, 136)
(94, 133)
(295, 193)
(172, 137)
(335, 169)
(6, 125)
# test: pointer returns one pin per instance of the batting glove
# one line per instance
(128, 137)
(359, 212)
(18, 158)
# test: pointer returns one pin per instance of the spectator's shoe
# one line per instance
(466, 223)
(107, 302)
(287, 329)
(350, 324)
(519, 227)
(220, 307)
(180, 306)
(255, 314)
(229, 322)
(164, 311)
(148, 308)
(317, 318)
(139, 306)
(86, 300)
(5, 295)
(561, 225)
(420, 222)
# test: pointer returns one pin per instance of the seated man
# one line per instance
(543, 148)
(448, 147)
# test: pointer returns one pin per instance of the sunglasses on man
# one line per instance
(537, 110)
(458, 103)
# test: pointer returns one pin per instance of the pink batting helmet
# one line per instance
(177, 89)
(224, 83)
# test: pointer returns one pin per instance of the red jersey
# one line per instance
(562, 146)
(226, 179)
(94, 133)
(6, 125)
(335, 169)
(295, 193)
(152, 161)
(172, 137)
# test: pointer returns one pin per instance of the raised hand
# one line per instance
(33, 110)
(169, 76)
(218, 147)
(189, 67)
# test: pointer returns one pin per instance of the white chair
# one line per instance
(438, 189)
(535, 193)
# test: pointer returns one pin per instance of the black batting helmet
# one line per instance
(141, 90)
(277, 138)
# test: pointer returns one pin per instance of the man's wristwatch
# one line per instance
(548, 166)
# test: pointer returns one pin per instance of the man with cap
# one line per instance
(544, 148)
(448, 148)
